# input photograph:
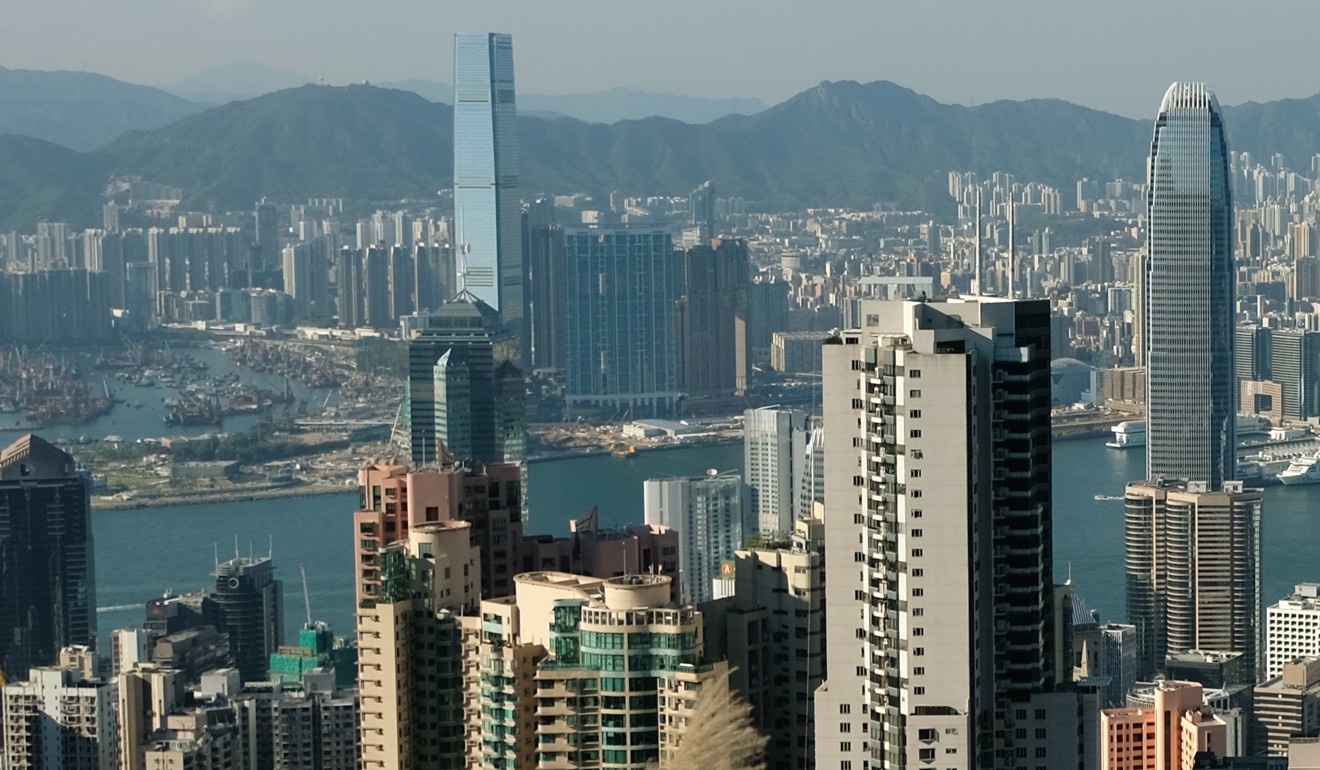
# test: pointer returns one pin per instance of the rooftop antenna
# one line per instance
(236, 554)
(462, 251)
(977, 267)
(307, 597)
(217, 556)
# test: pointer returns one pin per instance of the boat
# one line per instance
(1128, 434)
(1302, 470)
(1108, 497)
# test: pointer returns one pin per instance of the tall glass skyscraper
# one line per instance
(1188, 292)
(487, 207)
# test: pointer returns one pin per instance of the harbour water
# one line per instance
(140, 553)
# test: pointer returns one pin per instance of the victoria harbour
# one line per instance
(140, 551)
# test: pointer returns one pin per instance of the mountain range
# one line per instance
(839, 143)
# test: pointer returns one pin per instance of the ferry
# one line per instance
(1302, 470)
(1128, 434)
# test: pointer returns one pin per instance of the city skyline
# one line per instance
(838, 42)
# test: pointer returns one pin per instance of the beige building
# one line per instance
(1166, 736)
(1193, 569)
(1292, 628)
(1287, 706)
(410, 676)
(62, 716)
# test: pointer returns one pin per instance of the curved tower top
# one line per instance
(1188, 292)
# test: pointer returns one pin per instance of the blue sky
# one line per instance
(1117, 55)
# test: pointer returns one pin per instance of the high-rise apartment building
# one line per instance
(266, 240)
(1193, 569)
(621, 326)
(544, 247)
(1188, 292)
(410, 660)
(487, 206)
(717, 357)
(47, 584)
(1292, 628)
(709, 513)
(775, 446)
(941, 631)
(62, 716)
(465, 387)
(247, 604)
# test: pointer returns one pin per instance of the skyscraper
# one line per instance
(487, 207)
(1193, 569)
(941, 631)
(621, 330)
(716, 353)
(47, 586)
(247, 603)
(465, 386)
(1188, 292)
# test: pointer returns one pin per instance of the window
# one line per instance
(914, 394)
(918, 572)
(918, 612)
(845, 746)
(918, 632)
(845, 727)
(916, 513)
(918, 592)
(918, 650)
(914, 434)
(915, 493)
(915, 473)
(916, 533)
(914, 413)
(845, 708)
(921, 671)
(922, 691)
(917, 553)
(914, 373)
(915, 454)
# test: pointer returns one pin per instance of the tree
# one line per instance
(720, 734)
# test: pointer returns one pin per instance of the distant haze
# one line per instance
(1117, 56)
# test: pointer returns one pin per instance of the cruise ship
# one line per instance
(1128, 434)
(1302, 470)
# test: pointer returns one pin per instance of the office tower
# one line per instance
(1193, 569)
(1165, 736)
(768, 308)
(47, 586)
(709, 513)
(266, 244)
(811, 481)
(63, 716)
(1286, 706)
(701, 210)
(1292, 628)
(1295, 367)
(1188, 292)
(715, 312)
(545, 279)
(1251, 352)
(410, 663)
(402, 271)
(467, 350)
(941, 632)
(774, 461)
(487, 207)
(1105, 653)
(247, 604)
(621, 332)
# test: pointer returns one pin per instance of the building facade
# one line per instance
(1192, 563)
(47, 585)
(465, 387)
(1188, 292)
(487, 203)
(941, 635)
(1167, 736)
(1292, 628)
(775, 446)
(709, 514)
(622, 351)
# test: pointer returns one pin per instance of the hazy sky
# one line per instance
(1117, 55)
